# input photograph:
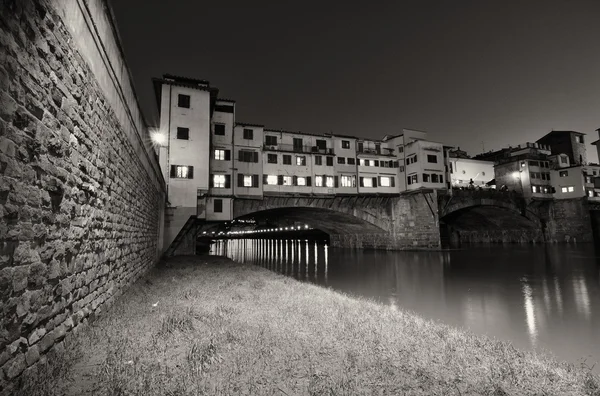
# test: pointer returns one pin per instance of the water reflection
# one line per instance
(544, 297)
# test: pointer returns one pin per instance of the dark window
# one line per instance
(287, 159)
(318, 160)
(224, 109)
(248, 134)
(377, 148)
(271, 140)
(341, 160)
(434, 178)
(297, 144)
(220, 129)
(351, 161)
(360, 146)
(329, 161)
(183, 133)
(425, 177)
(321, 144)
(400, 149)
(432, 158)
(563, 173)
(183, 101)
(345, 144)
(272, 158)
(376, 162)
(247, 156)
(218, 206)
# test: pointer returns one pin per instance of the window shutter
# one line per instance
(173, 170)
(190, 172)
(374, 182)
(441, 179)
(392, 181)
(255, 156)
(240, 155)
(280, 180)
(240, 180)
(227, 155)
(265, 179)
(308, 181)
(227, 181)
(254, 180)
(211, 181)
(361, 181)
(295, 180)
(378, 180)
(336, 181)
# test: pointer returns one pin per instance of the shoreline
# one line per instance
(208, 324)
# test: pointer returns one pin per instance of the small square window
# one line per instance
(345, 144)
(300, 160)
(351, 161)
(272, 158)
(247, 180)
(287, 159)
(287, 180)
(329, 161)
(384, 181)
(248, 134)
(183, 101)
(301, 181)
(183, 133)
(272, 180)
(329, 181)
(271, 140)
(220, 155)
(220, 129)
(341, 160)
(318, 160)
(432, 159)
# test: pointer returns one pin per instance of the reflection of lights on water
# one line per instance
(393, 305)
(307, 259)
(326, 260)
(582, 298)
(530, 313)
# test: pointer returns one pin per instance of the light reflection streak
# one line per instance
(326, 254)
(582, 298)
(530, 313)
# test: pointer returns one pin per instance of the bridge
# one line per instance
(420, 220)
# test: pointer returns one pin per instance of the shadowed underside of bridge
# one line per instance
(489, 224)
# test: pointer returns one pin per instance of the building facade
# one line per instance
(567, 142)
(209, 159)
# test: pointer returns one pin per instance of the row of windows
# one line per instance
(224, 181)
(541, 164)
(539, 175)
(543, 189)
(426, 178)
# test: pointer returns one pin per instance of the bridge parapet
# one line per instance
(450, 202)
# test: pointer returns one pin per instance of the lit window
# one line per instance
(571, 188)
(361, 162)
(590, 193)
(300, 160)
(318, 181)
(329, 181)
(563, 173)
(535, 189)
(367, 182)
(301, 181)
(272, 180)
(287, 180)
(348, 181)
(248, 181)
(384, 181)
(220, 154)
(182, 172)
(219, 181)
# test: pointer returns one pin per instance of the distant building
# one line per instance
(464, 170)
(567, 142)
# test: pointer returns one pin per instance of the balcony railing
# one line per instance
(298, 149)
(383, 152)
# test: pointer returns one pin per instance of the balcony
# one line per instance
(385, 152)
(298, 149)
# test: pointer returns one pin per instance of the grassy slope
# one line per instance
(224, 328)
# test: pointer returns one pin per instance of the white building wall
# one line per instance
(463, 170)
(568, 182)
(247, 174)
(345, 147)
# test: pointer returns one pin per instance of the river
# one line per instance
(538, 297)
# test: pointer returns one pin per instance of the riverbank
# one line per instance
(207, 325)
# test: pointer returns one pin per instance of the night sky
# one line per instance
(472, 74)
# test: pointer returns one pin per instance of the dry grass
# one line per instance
(221, 328)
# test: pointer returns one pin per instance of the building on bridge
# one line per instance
(209, 159)
(463, 170)
(566, 142)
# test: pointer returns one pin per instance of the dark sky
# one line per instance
(467, 72)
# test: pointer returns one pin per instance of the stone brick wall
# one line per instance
(568, 220)
(81, 196)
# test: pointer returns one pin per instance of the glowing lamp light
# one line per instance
(159, 138)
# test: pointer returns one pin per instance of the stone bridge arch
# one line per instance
(491, 216)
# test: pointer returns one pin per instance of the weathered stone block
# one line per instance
(15, 366)
(32, 355)
(47, 341)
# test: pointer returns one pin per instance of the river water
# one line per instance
(537, 297)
